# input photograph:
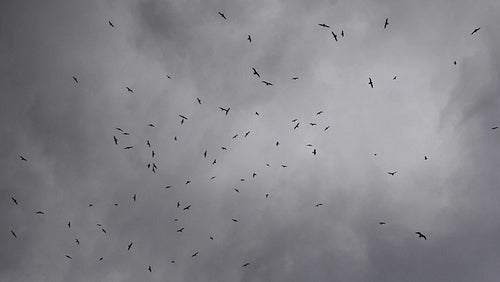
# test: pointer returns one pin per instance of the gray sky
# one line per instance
(65, 130)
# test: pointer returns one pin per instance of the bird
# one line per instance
(153, 153)
(249, 38)
(149, 268)
(381, 223)
(324, 25)
(370, 82)
(187, 182)
(111, 24)
(69, 224)
(255, 72)
(14, 199)
(101, 258)
(225, 110)
(168, 186)
(125, 133)
(151, 125)
(425, 158)
(215, 160)
(342, 33)
(277, 143)
(178, 204)
(129, 90)
(246, 264)
(119, 129)
(455, 63)
(223, 148)
(317, 205)
(115, 140)
(211, 238)
(420, 235)
(39, 212)
(309, 145)
(169, 77)
(319, 113)
(148, 143)
(77, 241)
(186, 208)
(284, 166)
(254, 174)
(134, 197)
(314, 152)
(129, 246)
(195, 254)
(267, 195)
(334, 36)
(392, 173)
(235, 136)
(128, 147)
(312, 124)
(267, 83)
(180, 230)
(386, 22)
(69, 257)
(294, 120)
(75, 79)
(296, 126)
(103, 230)
(494, 128)
(394, 78)
(213, 177)
(295, 78)
(326, 128)
(475, 30)
(237, 191)
(23, 158)
(13, 233)
(246, 134)
(199, 101)
(183, 117)
(256, 113)
(235, 220)
(222, 15)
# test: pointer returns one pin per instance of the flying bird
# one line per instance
(319, 113)
(183, 117)
(148, 143)
(187, 182)
(334, 36)
(128, 147)
(381, 223)
(235, 220)
(103, 230)
(178, 204)
(168, 186)
(342, 33)
(169, 77)
(223, 148)
(149, 268)
(125, 133)
(425, 158)
(386, 22)
(39, 212)
(199, 101)
(420, 235)
(317, 205)
(75, 79)
(115, 140)
(129, 246)
(14, 199)
(296, 126)
(151, 125)
(69, 224)
(246, 134)
(255, 72)
(129, 90)
(134, 197)
(249, 38)
(111, 24)
(68, 257)
(370, 82)
(195, 254)
(77, 241)
(314, 152)
(246, 264)
(254, 174)
(455, 63)
(211, 238)
(309, 145)
(256, 113)
(180, 230)
(235, 136)
(23, 158)
(13, 234)
(222, 15)
(284, 166)
(215, 160)
(312, 124)
(101, 258)
(267, 83)
(475, 30)
(267, 195)
(186, 208)
(237, 191)
(392, 173)
(119, 129)
(495, 127)
(324, 25)
(294, 120)
(225, 110)
(295, 78)
(394, 78)
(326, 128)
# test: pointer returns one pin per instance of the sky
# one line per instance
(74, 172)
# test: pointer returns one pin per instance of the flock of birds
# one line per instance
(226, 110)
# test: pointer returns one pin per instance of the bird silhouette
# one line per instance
(312, 124)
(39, 212)
(119, 129)
(267, 195)
(13, 233)
(149, 268)
(295, 78)
(183, 117)
(103, 230)
(267, 83)
(455, 63)
(23, 158)
(195, 254)
(334, 36)
(309, 145)
(129, 90)
(115, 140)
(211, 238)
(225, 110)
(342, 33)
(199, 101)
(168, 186)
(475, 30)
(326, 128)
(169, 77)
(128, 147)
(180, 230)
(386, 22)
(314, 152)
(69, 224)
(494, 128)
(69, 257)
(319, 113)
(255, 72)
(256, 113)
(284, 165)
(101, 258)
(153, 153)
(215, 160)
(187, 182)
(130, 246)
(223, 148)
(125, 133)
(249, 38)
(111, 24)
(134, 197)
(294, 120)
(381, 223)
(370, 82)
(151, 125)
(222, 15)
(296, 126)
(317, 205)
(254, 174)
(148, 143)
(14, 200)
(246, 134)
(75, 79)
(235, 136)
(178, 204)
(425, 158)
(237, 191)
(235, 220)
(392, 173)
(186, 208)
(246, 264)
(420, 235)
(324, 25)
(277, 143)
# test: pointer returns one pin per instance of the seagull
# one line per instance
(151, 125)
(39, 212)
(475, 30)
(13, 234)
(128, 147)
(381, 223)
(267, 83)
(75, 79)
(319, 113)
(386, 22)
(77, 241)
(296, 126)
(180, 230)
(495, 127)
(255, 72)
(324, 25)
(222, 15)
(317, 205)
(199, 101)
(153, 153)
(213, 177)
(420, 235)
(183, 117)
(178, 204)
(68, 257)
(195, 254)
(237, 191)
(129, 246)
(326, 128)
(149, 268)
(111, 24)
(119, 129)
(455, 63)
(116, 140)
(186, 208)
(14, 199)
(334, 36)
(246, 134)
(246, 264)
(103, 230)
(309, 145)
(249, 38)
(235, 220)
(225, 110)
(129, 90)
(295, 78)
(314, 152)
(23, 158)
(392, 173)
(370, 82)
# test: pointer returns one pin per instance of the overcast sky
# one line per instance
(65, 130)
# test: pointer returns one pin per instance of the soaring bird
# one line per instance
(294, 120)
(186, 208)
(169, 77)
(14, 199)
(277, 143)
(199, 101)
(69, 224)
(255, 72)
(205, 154)
(319, 113)
(129, 246)
(455, 63)
(324, 25)
(222, 15)
(254, 174)
(312, 124)
(317, 205)
(334, 36)
(237, 191)
(267, 83)
(342, 33)
(392, 173)
(295, 78)
(101, 258)
(309, 145)
(75, 79)
(103, 230)
(211, 238)
(326, 128)
(267, 195)
(249, 38)
(111, 24)
(225, 110)
(223, 148)
(370, 82)
(246, 264)
(23, 158)
(314, 152)
(180, 230)
(296, 126)
(386, 22)
(125, 133)
(187, 182)
(183, 117)
(235, 220)
(128, 147)
(68, 257)
(115, 140)
(235, 136)
(284, 166)
(495, 127)
(178, 204)
(39, 212)
(13, 234)
(148, 143)
(420, 235)
(256, 113)
(425, 158)
(149, 268)
(153, 153)
(151, 125)
(195, 254)
(246, 134)
(129, 90)
(213, 177)
(475, 30)
(77, 241)
(394, 78)
(215, 160)
(134, 197)
(168, 186)
(119, 129)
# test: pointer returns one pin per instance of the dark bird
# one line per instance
(129, 246)
(119, 129)
(326, 128)
(267, 83)
(77, 241)
(319, 113)
(223, 148)
(342, 33)
(254, 174)
(495, 127)
(314, 152)
(425, 158)
(151, 125)
(68, 257)
(267, 195)
(187, 182)
(205, 154)
(284, 165)
(175, 138)
(168, 186)
(312, 123)
(317, 205)
(169, 77)
(98, 224)
(186, 208)
(246, 264)
(237, 191)
(392, 173)
(222, 15)
(334, 36)
(267, 165)
(235, 136)
(246, 134)
(475, 30)
(211, 238)
(129, 90)
(69, 224)
(294, 120)
(256, 113)
(183, 117)
(199, 101)
(215, 160)
(14, 199)
(381, 223)
(13, 234)
(455, 63)
(296, 126)
(225, 110)
(128, 147)
(101, 258)
(116, 140)
(386, 22)
(134, 197)
(39, 212)
(149, 268)
(103, 230)
(420, 235)
(148, 143)
(309, 145)
(324, 25)
(180, 230)
(75, 79)
(255, 72)
(90, 205)
(213, 177)
(111, 24)
(370, 82)
(153, 153)
(235, 220)
(249, 38)
(394, 78)
(178, 204)
(277, 143)
(23, 158)
(295, 78)
(195, 254)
